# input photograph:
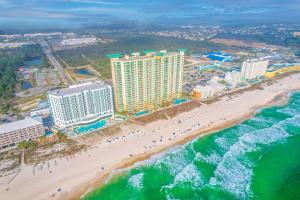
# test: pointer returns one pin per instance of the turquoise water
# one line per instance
(257, 159)
(90, 127)
(141, 113)
(179, 101)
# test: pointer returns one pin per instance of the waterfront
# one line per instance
(258, 158)
(132, 143)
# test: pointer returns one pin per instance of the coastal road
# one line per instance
(55, 63)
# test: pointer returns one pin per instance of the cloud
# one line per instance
(151, 11)
(93, 2)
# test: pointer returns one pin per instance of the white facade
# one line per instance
(255, 68)
(211, 90)
(82, 103)
(233, 78)
(41, 111)
(15, 132)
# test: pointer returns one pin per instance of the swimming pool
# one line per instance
(90, 127)
(138, 114)
(179, 101)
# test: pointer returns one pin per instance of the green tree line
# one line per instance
(10, 60)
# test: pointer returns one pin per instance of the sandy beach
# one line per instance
(71, 177)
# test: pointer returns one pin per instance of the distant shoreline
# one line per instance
(279, 100)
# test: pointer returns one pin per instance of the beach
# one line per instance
(71, 177)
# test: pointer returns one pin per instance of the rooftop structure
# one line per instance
(216, 56)
(15, 132)
(16, 125)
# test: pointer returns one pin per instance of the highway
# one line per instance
(55, 63)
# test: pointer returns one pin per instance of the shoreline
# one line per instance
(124, 166)
(74, 176)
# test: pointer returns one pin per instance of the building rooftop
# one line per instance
(216, 56)
(17, 125)
(147, 54)
(73, 89)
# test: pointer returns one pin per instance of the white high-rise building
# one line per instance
(254, 68)
(81, 103)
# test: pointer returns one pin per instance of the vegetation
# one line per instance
(95, 55)
(9, 107)
(27, 145)
(61, 136)
(10, 59)
(269, 37)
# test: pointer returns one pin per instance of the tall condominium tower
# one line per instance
(146, 81)
(82, 103)
(254, 68)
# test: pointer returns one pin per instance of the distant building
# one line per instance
(78, 41)
(211, 90)
(216, 56)
(148, 80)
(81, 103)
(275, 70)
(254, 68)
(22, 130)
(233, 78)
(40, 112)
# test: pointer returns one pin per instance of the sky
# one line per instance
(77, 13)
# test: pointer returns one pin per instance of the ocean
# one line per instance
(256, 159)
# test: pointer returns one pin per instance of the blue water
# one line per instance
(26, 85)
(83, 71)
(33, 62)
(179, 101)
(47, 133)
(90, 127)
(138, 114)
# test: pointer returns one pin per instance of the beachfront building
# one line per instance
(255, 68)
(280, 69)
(148, 80)
(233, 78)
(81, 103)
(213, 89)
(22, 130)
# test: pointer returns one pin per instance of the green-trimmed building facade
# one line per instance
(146, 81)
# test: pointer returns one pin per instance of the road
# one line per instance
(55, 63)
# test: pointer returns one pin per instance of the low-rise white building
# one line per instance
(208, 91)
(81, 103)
(22, 130)
(254, 68)
(233, 78)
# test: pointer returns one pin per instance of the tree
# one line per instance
(61, 136)
(27, 145)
